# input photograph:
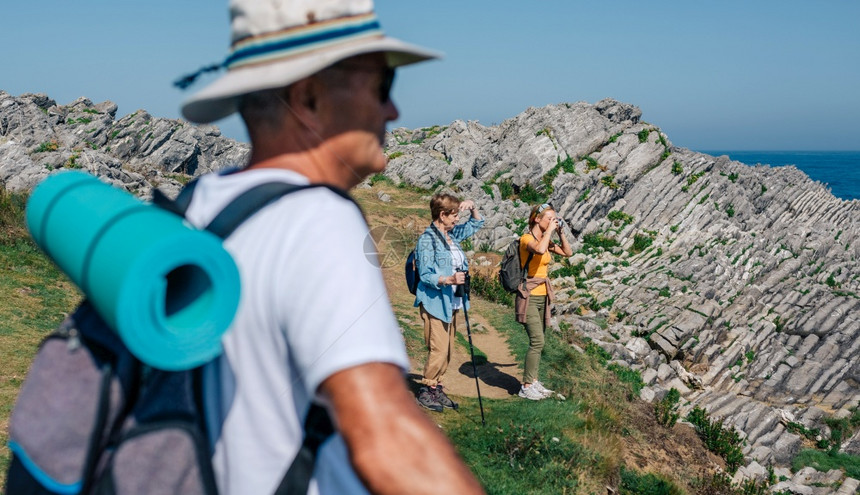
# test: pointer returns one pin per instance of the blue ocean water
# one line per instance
(840, 170)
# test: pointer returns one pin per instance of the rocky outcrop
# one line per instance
(135, 152)
(735, 284)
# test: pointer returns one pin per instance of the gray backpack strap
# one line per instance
(318, 426)
(526, 268)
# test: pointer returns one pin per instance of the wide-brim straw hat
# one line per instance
(276, 43)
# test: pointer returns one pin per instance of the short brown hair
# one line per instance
(443, 202)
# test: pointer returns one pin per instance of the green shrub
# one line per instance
(620, 216)
(591, 163)
(520, 224)
(674, 228)
(643, 135)
(824, 461)
(598, 240)
(506, 189)
(641, 242)
(488, 188)
(609, 181)
(568, 270)
(567, 165)
(694, 177)
(633, 483)
(629, 376)
(490, 288)
(677, 169)
(12, 208)
(380, 178)
(51, 145)
(584, 196)
(529, 194)
(459, 174)
(730, 210)
(666, 409)
(615, 137)
(733, 176)
(725, 442)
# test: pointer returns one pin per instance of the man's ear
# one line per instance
(303, 97)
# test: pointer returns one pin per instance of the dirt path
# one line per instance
(497, 377)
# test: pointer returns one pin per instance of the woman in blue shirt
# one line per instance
(442, 267)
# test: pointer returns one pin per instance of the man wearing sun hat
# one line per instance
(311, 79)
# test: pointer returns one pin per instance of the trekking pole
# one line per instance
(466, 289)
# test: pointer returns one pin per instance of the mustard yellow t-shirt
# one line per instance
(538, 266)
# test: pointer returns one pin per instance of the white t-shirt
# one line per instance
(312, 303)
(458, 259)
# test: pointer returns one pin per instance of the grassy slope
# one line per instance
(579, 445)
(33, 298)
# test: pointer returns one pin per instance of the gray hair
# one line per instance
(262, 109)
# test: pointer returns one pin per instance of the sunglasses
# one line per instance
(385, 84)
(543, 207)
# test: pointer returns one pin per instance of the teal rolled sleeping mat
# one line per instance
(169, 290)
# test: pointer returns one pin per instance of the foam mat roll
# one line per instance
(169, 291)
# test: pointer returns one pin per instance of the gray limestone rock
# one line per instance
(743, 276)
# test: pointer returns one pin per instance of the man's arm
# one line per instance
(392, 444)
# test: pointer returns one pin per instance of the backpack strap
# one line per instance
(318, 427)
(526, 266)
(239, 209)
(439, 233)
(179, 205)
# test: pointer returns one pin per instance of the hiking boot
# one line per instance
(427, 399)
(530, 393)
(543, 390)
(443, 399)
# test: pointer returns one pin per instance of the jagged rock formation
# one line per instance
(735, 284)
(135, 152)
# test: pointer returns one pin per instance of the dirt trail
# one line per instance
(498, 377)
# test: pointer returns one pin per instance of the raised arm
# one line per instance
(564, 248)
(393, 446)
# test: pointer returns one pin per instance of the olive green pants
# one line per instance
(535, 328)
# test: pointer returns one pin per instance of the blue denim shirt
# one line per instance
(433, 258)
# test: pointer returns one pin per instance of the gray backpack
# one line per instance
(91, 418)
(513, 271)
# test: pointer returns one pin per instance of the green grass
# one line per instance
(824, 461)
(35, 296)
(531, 454)
(634, 483)
(551, 446)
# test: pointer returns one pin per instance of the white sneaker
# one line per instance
(543, 390)
(530, 393)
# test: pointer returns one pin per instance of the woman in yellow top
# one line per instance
(534, 298)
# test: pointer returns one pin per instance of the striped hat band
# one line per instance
(301, 39)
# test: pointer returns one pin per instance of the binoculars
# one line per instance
(462, 290)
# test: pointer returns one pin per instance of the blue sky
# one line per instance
(729, 75)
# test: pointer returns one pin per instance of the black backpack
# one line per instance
(411, 267)
(513, 271)
(91, 418)
(411, 272)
